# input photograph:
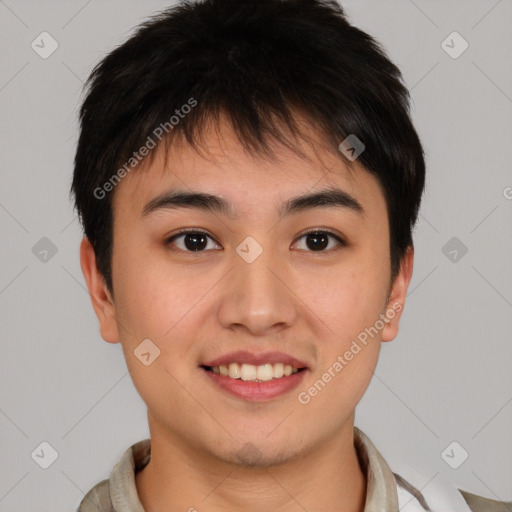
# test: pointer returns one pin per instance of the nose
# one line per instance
(258, 296)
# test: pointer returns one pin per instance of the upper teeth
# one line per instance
(250, 372)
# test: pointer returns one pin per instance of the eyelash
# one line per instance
(181, 232)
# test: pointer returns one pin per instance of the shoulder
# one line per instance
(408, 486)
(442, 495)
(480, 504)
(119, 491)
(97, 499)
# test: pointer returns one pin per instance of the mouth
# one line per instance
(252, 373)
(256, 380)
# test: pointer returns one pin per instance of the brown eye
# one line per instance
(319, 240)
(191, 241)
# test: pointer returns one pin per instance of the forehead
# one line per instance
(248, 181)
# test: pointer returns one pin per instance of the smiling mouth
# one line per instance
(252, 373)
(255, 383)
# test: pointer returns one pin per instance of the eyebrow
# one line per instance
(330, 197)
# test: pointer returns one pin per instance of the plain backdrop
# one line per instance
(446, 378)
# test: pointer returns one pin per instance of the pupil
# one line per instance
(192, 242)
(319, 240)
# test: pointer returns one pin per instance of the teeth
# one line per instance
(249, 372)
(234, 371)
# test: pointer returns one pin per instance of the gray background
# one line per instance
(445, 378)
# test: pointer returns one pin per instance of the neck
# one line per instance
(328, 477)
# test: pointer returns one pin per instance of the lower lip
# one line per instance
(257, 391)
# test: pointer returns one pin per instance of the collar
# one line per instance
(381, 491)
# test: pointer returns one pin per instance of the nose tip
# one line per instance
(256, 297)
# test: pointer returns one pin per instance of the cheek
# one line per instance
(154, 303)
(349, 306)
(348, 298)
(142, 308)
(158, 300)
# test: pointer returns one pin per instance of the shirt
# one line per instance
(386, 491)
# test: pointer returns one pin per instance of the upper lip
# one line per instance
(242, 356)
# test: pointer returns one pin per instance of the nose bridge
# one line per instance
(256, 296)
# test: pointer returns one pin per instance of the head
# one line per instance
(246, 104)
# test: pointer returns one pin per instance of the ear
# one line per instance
(397, 296)
(102, 301)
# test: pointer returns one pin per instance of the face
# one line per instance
(249, 278)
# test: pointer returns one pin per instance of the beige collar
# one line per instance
(381, 493)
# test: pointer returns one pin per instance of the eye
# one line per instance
(318, 240)
(192, 240)
(195, 240)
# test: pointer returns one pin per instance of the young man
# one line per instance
(248, 178)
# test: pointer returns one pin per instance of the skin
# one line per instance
(198, 306)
